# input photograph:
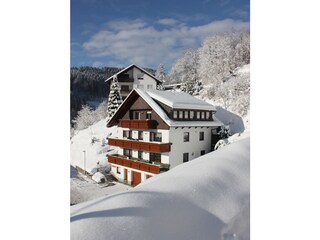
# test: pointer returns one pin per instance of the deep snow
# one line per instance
(195, 200)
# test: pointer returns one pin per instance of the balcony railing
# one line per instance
(138, 124)
(142, 146)
(138, 164)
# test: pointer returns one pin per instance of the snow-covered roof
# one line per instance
(133, 65)
(180, 100)
(149, 97)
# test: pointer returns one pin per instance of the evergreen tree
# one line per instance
(115, 99)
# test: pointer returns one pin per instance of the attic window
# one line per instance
(140, 76)
(202, 115)
(181, 114)
(186, 114)
(191, 114)
(175, 114)
(207, 115)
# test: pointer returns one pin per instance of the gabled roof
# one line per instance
(180, 100)
(150, 97)
(131, 66)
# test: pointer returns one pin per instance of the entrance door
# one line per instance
(136, 178)
(125, 175)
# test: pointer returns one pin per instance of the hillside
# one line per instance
(87, 86)
(195, 200)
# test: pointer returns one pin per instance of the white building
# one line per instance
(158, 130)
(132, 77)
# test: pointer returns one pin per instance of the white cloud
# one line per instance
(167, 21)
(136, 42)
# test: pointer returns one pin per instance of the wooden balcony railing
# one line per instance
(138, 124)
(135, 164)
(142, 146)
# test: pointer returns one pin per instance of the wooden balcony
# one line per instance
(138, 124)
(135, 164)
(142, 146)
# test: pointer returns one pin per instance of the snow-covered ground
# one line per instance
(195, 200)
(83, 188)
(84, 152)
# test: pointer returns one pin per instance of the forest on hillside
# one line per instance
(87, 85)
(218, 71)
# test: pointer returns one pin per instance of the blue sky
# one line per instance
(147, 32)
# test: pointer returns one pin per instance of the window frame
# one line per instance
(201, 136)
(185, 157)
(186, 137)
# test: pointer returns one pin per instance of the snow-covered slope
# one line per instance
(195, 200)
(84, 152)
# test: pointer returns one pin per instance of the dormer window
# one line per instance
(175, 114)
(186, 114)
(181, 114)
(191, 114)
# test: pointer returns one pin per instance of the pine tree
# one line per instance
(115, 99)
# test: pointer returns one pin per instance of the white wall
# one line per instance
(147, 80)
(193, 147)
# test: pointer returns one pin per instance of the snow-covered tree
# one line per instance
(185, 70)
(160, 73)
(115, 99)
(221, 54)
(84, 119)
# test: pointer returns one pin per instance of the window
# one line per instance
(140, 76)
(186, 114)
(148, 115)
(127, 134)
(203, 152)
(127, 152)
(185, 157)
(140, 135)
(201, 136)
(137, 115)
(118, 170)
(202, 115)
(198, 115)
(155, 136)
(149, 86)
(186, 137)
(207, 115)
(181, 114)
(140, 154)
(155, 157)
(191, 114)
(175, 114)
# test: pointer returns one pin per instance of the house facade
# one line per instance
(157, 131)
(132, 77)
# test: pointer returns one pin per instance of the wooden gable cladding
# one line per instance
(134, 103)
(142, 146)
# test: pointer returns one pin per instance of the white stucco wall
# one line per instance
(147, 80)
(193, 147)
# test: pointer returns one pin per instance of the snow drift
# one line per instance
(195, 200)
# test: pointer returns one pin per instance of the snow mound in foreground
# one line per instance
(195, 200)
